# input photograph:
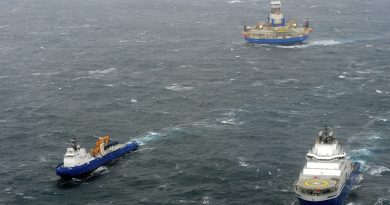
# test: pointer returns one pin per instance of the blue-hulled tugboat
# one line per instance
(78, 163)
(277, 30)
(328, 175)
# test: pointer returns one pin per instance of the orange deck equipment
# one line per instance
(97, 149)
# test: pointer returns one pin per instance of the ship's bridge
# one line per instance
(326, 152)
(326, 148)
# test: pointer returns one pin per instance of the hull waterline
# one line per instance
(277, 41)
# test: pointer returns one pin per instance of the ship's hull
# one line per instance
(277, 41)
(85, 169)
(341, 198)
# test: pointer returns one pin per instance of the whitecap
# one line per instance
(109, 85)
(378, 119)
(231, 118)
(44, 74)
(143, 33)
(257, 83)
(227, 121)
(361, 152)
(235, 1)
(363, 72)
(2, 121)
(42, 159)
(379, 91)
(342, 76)
(243, 164)
(177, 87)
(282, 81)
(205, 123)
(205, 200)
(134, 100)
(8, 189)
(377, 170)
(105, 71)
(381, 201)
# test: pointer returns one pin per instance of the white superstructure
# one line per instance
(76, 156)
(276, 15)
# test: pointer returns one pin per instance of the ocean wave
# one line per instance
(378, 118)
(42, 159)
(382, 201)
(257, 83)
(377, 170)
(231, 118)
(229, 121)
(176, 87)
(105, 71)
(368, 72)
(283, 81)
(205, 123)
(244, 164)
(360, 152)
(235, 1)
(205, 200)
(44, 74)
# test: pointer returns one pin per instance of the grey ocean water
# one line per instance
(220, 121)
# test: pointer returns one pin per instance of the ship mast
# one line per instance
(276, 16)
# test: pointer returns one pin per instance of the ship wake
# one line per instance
(329, 42)
(155, 136)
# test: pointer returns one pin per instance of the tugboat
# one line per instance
(78, 163)
(277, 30)
(328, 176)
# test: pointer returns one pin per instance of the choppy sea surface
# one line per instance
(220, 121)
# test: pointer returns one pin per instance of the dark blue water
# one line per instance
(221, 122)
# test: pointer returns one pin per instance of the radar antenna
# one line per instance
(74, 144)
